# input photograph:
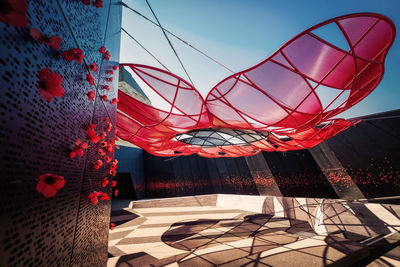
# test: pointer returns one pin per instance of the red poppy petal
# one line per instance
(43, 73)
(35, 33)
(55, 42)
(46, 95)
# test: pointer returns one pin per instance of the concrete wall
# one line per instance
(363, 161)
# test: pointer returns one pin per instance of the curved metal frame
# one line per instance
(296, 114)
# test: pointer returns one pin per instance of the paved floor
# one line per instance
(218, 236)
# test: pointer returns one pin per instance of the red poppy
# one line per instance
(114, 101)
(109, 127)
(111, 142)
(103, 196)
(98, 3)
(102, 50)
(110, 79)
(107, 55)
(113, 172)
(112, 225)
(106, 120)
(104, 183)
(80, 152)
(72, 154)
(103, 144)
(84, 145)
(86, 2)
(116, 193)
(114, 67)
(107, 159)
(93, 67)
(49, 184)
(107, 87)
(98, 164)
(13, 12)
(110, 72)
(50, 84)
(103, 135)
(74, 54)
(91, 126)
(91, 95)
(115, 162)
(117, 147)
(94, 138)
(90, 78)
(113, 183)
(93, 197)
(116, 138)
(101, 152)
(110, 148)
(104, 97)
(53, 41)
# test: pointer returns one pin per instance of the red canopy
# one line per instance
(292, 95)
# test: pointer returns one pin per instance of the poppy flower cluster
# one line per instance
(113, 167)
(103, 50)
(109, 124)
(49, 184)
(78, 150)
(73, 54)
(114, 101)
(101, 152)
(13, 12)
(103, 135)
(50, 84)
(98, 3)
(96, 196)
(109, 146)
(109, 127)
(91, 95)
(92, 135)
(90, 78)
(97, 164)
(53, 41)
(93, 67)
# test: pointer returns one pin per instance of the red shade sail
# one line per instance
(284, 103)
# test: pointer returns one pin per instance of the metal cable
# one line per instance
(177, 37)
(145, 49)
(170, 44)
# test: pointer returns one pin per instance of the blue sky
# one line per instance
(241, 34)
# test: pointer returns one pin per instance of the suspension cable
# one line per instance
(169, 41)
(177, 37)
(145, 49)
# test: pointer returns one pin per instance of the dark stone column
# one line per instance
(336, 174)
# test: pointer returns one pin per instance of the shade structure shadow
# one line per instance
(273, 231)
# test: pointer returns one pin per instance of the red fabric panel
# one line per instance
(282, 95)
